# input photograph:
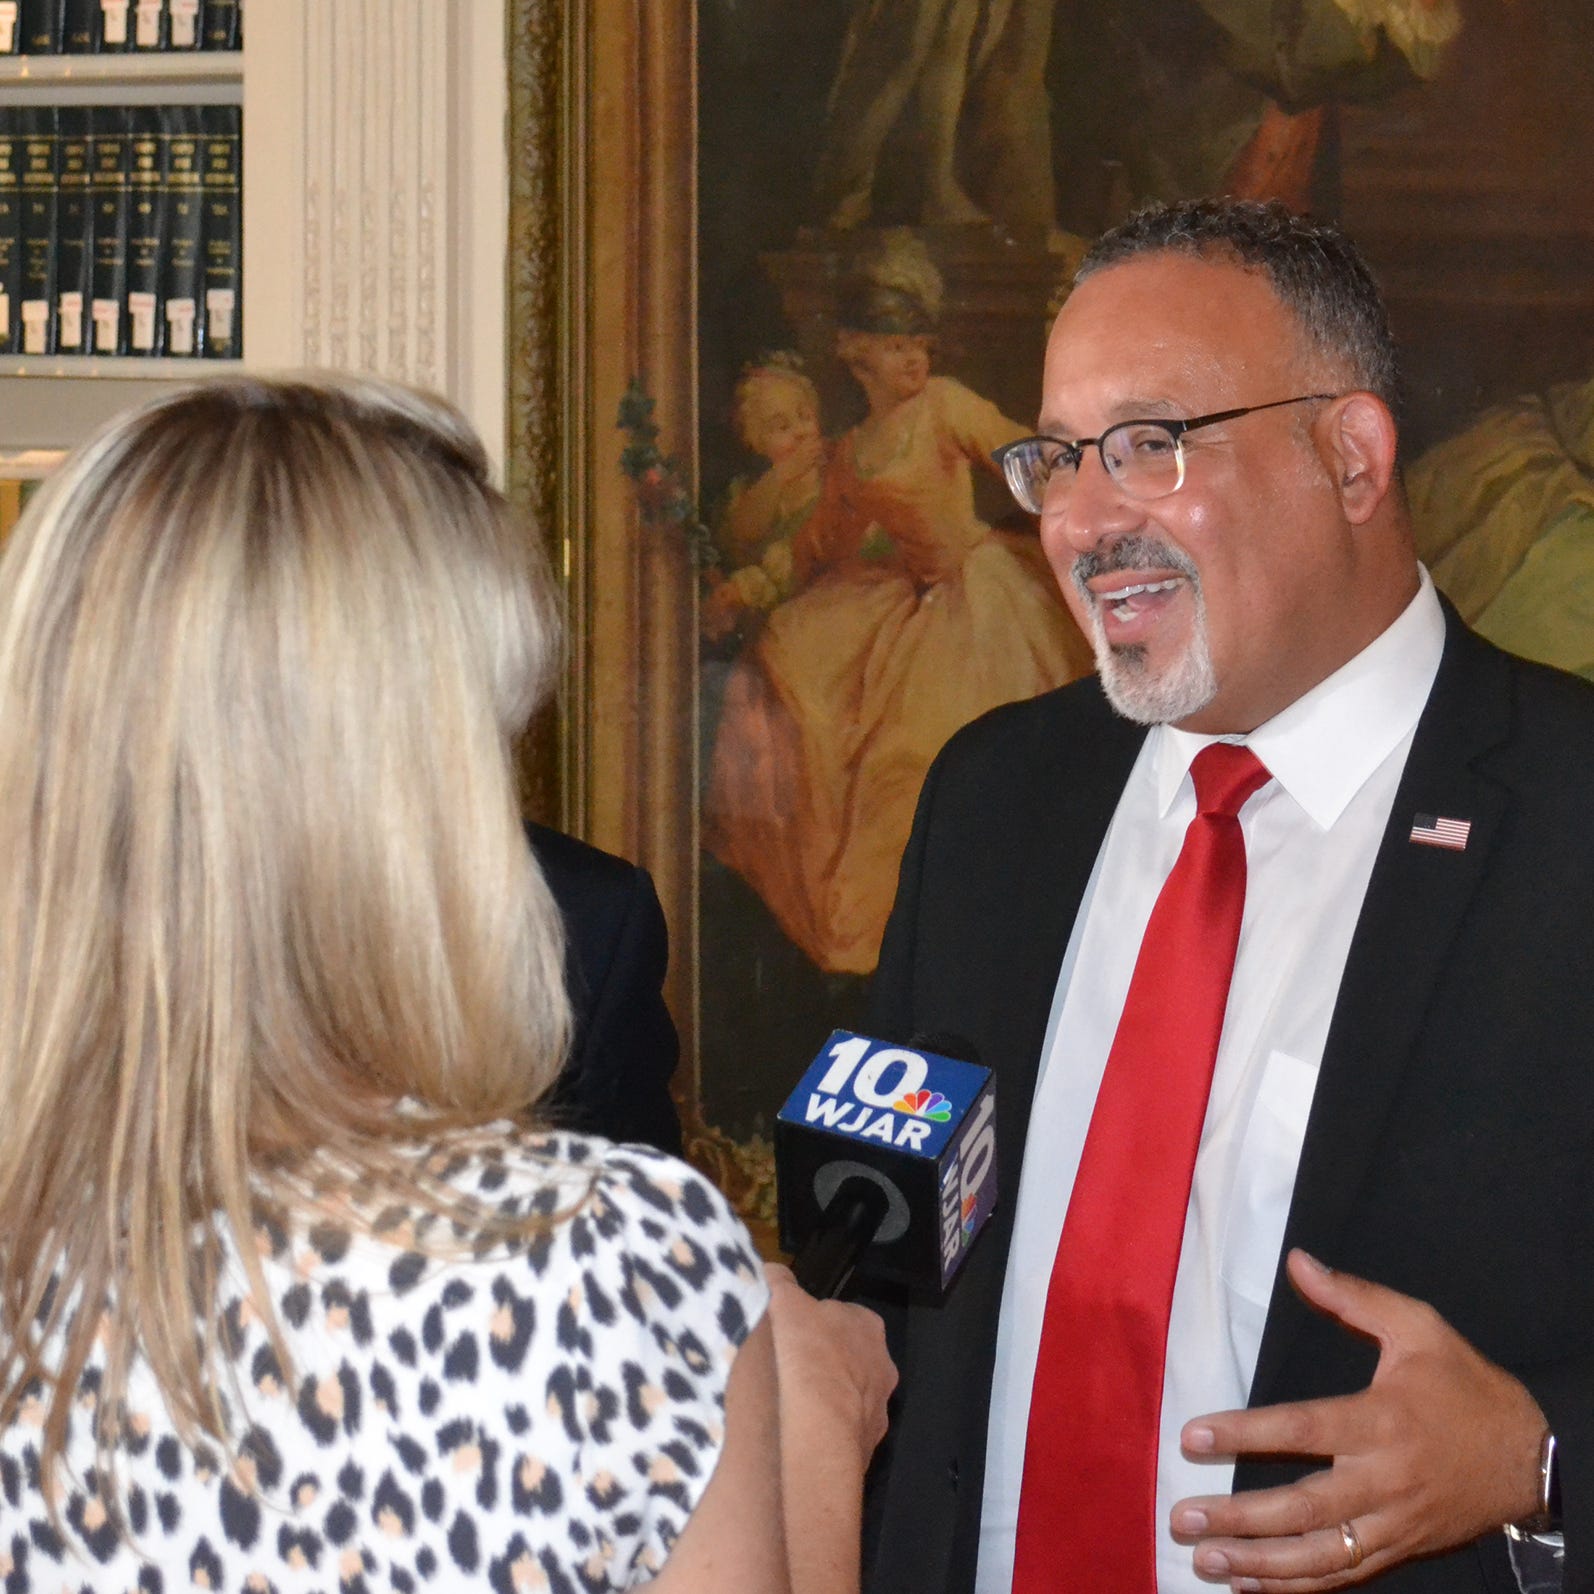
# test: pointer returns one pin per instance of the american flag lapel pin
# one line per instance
(1434, 830)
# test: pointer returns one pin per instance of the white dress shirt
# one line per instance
(1311, 835)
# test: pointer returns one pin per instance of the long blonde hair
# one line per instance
(266, 906)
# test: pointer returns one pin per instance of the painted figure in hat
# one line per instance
(912, 616)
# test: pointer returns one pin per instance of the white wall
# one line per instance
(376, 193)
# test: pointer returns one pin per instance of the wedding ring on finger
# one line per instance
(1353, 1545)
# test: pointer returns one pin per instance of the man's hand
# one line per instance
(1441, 1447)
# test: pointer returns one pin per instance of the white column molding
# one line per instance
(376, 193)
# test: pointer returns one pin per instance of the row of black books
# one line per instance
(90, 27)
(121, 230)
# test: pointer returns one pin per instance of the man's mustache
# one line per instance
(1137, 552)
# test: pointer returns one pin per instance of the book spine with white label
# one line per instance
(151, 25)
(116, 26)
(41, 192)
(74, 257)
(184, 22)
(10, 231)
(146, 229)
(221, 166)
(182, 271)
(110, 195)
(89, 27)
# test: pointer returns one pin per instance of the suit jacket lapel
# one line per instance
(1415, 901)
(1023, 836)
(1027, 930)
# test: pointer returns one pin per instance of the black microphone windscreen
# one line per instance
(945, 1043)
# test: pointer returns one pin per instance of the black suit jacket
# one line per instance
(1450, 1148)
(624, 1047)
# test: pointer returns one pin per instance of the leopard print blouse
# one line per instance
(539, 1417)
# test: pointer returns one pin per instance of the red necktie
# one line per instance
(1089, 1496)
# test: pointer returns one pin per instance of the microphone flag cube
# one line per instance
(920, 1126)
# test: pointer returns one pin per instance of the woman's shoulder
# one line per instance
(638, 1175)
(644, 1205)
(542, 1219)
(613, 1165)
(504, 1190)
(550, 1215)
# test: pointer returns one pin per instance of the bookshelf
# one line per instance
(49, 402)
(105, 79)
(375, 204)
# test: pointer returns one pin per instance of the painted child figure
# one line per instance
(776, 414)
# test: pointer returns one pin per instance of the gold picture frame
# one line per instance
(602, 292)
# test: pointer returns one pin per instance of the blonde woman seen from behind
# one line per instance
(286, 1299)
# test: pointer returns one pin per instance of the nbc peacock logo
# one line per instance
(929, 1104)
(970, 1201)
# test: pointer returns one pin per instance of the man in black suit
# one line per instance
(1404, 1086)
(623, 1048)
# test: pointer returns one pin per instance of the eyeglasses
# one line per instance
(1145, 458)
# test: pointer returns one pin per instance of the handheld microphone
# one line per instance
(885, 1160)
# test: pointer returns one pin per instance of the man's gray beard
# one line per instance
(1184, 687)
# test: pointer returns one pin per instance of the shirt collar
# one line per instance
(1323, 748)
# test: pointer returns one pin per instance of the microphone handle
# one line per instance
(825, 1260)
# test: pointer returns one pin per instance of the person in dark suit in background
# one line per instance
(623, 1049)
(1398, 1069)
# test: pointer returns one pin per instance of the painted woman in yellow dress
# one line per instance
(913, 617)
(1504, 517)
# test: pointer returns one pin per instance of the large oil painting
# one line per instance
(810, 253)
